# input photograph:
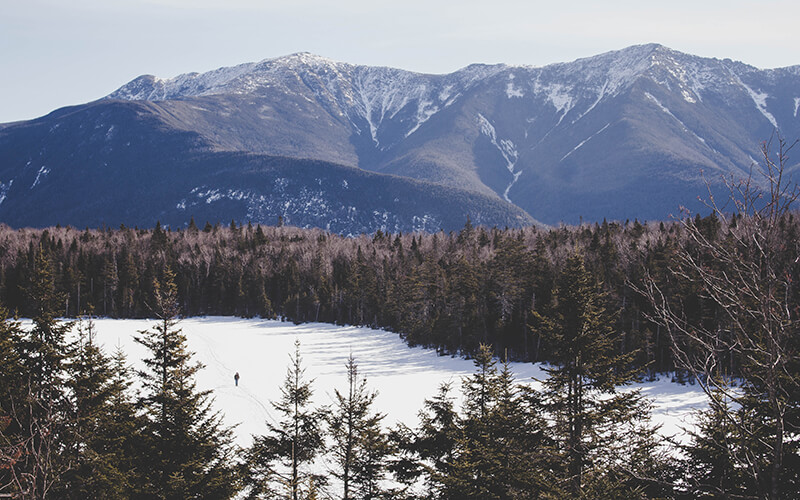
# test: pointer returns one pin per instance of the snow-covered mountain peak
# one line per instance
(605, 73)
(300, 61)
(152, 88)
(385, 105)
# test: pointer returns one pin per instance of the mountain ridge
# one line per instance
(308, 59)
(621, 135)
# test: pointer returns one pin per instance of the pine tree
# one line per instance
(12, 376)
(292, 443)
(519, 439)
(710, 463)
(105, 423)
(44, 411)
(580, 393)
(360, 448)
(426, 453)
(498, 452)
(190, 451)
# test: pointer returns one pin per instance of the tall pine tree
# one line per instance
(581, 390)
(191, 455)
(425, 453)
(105, 423)
(498, 452)
(44, 411)
(277, 463)
(360, 447)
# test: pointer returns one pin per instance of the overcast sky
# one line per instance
(55, 53)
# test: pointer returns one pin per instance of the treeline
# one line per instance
(450, 291)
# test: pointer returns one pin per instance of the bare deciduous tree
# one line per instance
(746, 269)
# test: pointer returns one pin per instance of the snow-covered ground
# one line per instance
(404, 377)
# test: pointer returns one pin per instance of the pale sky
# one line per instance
(55, 53)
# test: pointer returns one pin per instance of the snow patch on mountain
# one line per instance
(512, 91)
(425, 110)
(584, 142)
(796, 105)
(683, 125)
(688, 84)
(4, 188)
(445, 93)
(506, 147)
(760, 100)
(600, 95)
(367, 114)
(628, 64)
(559, 97)
(426, 223)
(40, 175)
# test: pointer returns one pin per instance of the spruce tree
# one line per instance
(104, 422)
(581, 393)
(277, 463)
(11, 382)
(44, 413)
(519, 439)
(360, 448)
(425, 453)
(498, 452)
(710, 456)
(191, 454)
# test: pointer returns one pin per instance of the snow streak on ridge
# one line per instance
(759, 99)
(506, 147)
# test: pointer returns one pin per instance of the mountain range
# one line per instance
(634, 133)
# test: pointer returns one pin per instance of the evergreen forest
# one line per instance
(451, 292)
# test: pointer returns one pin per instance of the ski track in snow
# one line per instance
(404, 377)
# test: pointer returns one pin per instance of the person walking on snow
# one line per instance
(236, 379)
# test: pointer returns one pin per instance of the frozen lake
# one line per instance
(260, 350)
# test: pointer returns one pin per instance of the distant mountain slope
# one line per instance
(622, 135)
(116, 162)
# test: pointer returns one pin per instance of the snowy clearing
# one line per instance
(259, 350)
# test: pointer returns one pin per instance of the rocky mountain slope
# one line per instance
(626, 134)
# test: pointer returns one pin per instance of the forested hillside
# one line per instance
(448, 291)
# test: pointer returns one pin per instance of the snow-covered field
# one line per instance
(260, 350)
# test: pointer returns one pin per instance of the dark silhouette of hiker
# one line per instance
(236, 379)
